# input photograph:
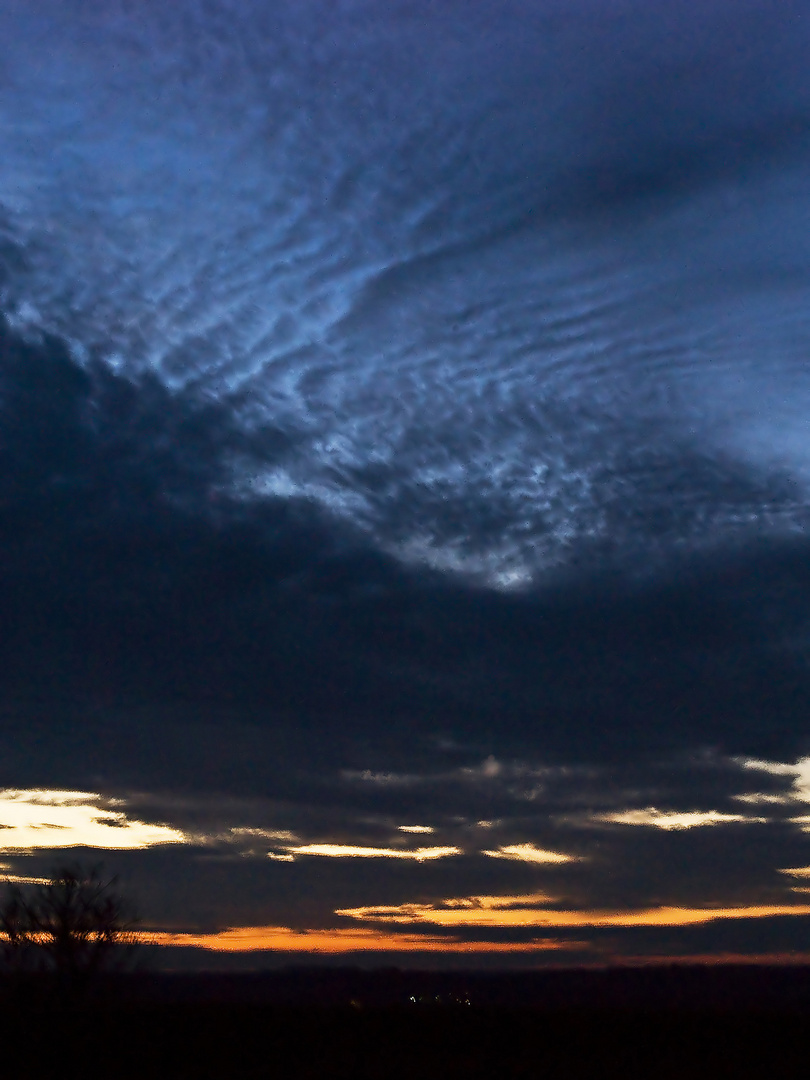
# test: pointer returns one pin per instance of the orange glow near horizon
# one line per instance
(337, 941)
(356, 939)
(459, 913)
(492, 912)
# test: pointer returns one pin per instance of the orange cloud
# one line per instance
(285, 939)
(492, 912)
(469, 912)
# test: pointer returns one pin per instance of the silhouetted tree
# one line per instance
(75, 927)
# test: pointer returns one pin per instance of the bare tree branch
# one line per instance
(75, 926)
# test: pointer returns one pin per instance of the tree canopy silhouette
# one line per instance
(75, 926)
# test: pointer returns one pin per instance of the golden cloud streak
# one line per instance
(468, 912)
(352, 851)
(529, 853)
(676, 819)
(285, 939)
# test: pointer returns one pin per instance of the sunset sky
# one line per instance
(405, 474)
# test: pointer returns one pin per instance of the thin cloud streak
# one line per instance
(529, 853)
(285, 939)
(351, 851)
(528, 917)
(675, 819)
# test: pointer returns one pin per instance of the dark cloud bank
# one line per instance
(131, 577)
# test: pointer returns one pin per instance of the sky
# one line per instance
(405, 474)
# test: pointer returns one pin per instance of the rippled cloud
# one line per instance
(493, 355)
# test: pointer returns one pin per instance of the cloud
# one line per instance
(244, 832)
(674, 819)
(799, 772)
(7, 874)
(528, 853)
(34, 819)
(466, 912)
(798, 871)
(519, 779)
(331, 941)
(353, 851)
(529, 224)
(760, 798)
(799, 792)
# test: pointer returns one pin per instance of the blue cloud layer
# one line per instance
(541, 305)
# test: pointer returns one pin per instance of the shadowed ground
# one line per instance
(200, 1028)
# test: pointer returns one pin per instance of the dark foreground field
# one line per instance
(237, 1028)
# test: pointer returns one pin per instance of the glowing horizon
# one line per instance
(287, 939)
(465, 912)
(676, 819)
